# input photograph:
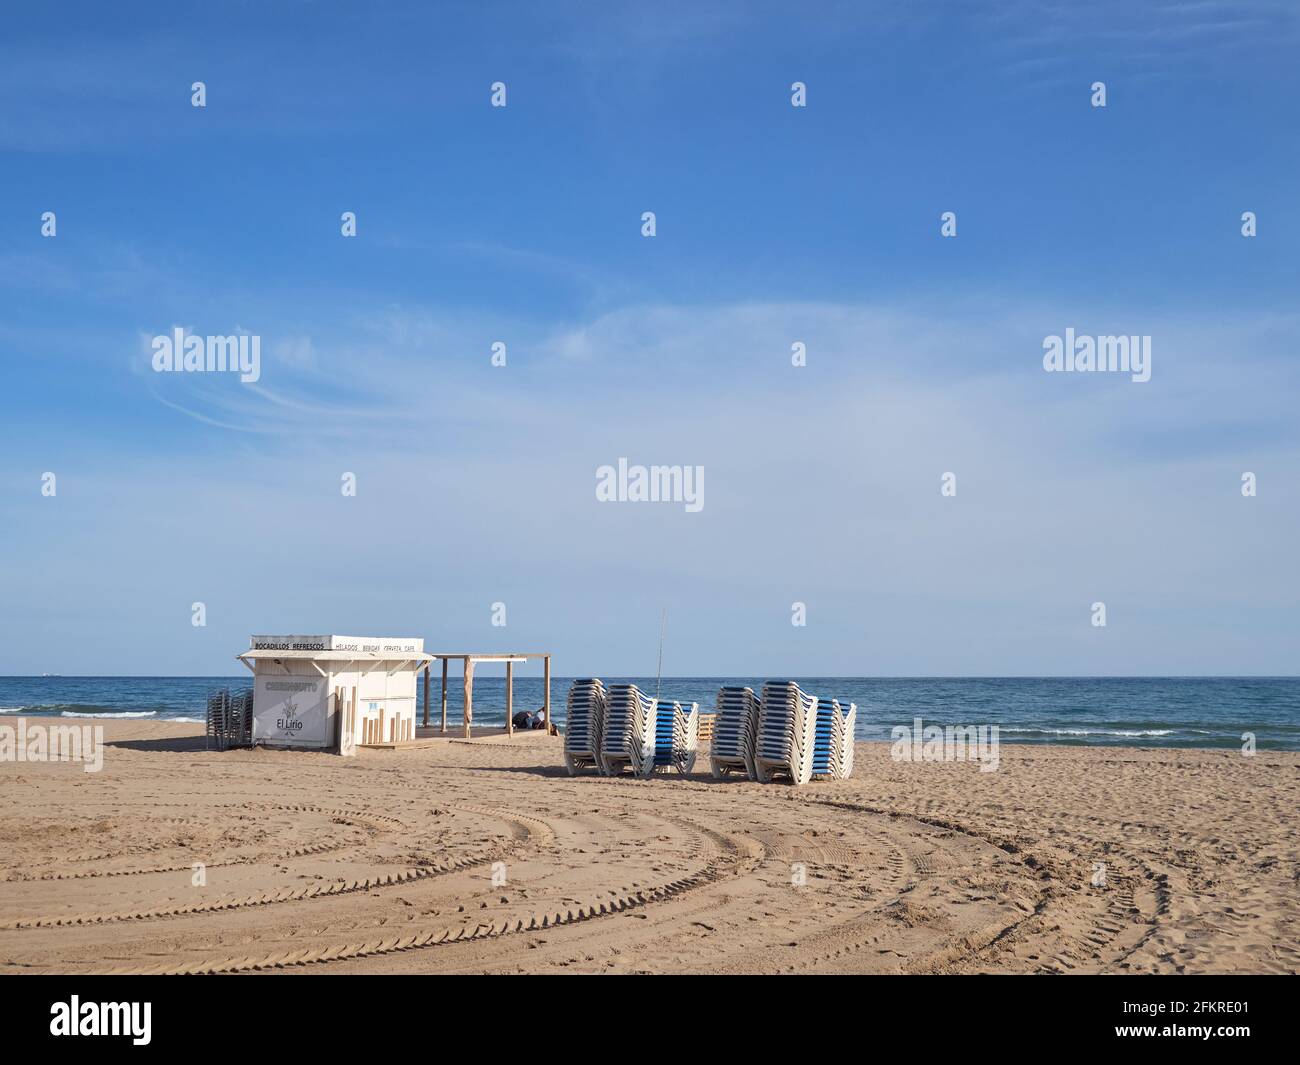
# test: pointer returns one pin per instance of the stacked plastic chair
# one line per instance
(230, 719)
(787, 721)
(735, 727)
(677, 735)
(584, 725)
(629, 737)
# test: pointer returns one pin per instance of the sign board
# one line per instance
(376, 644)
(289, 643)
(291, 711)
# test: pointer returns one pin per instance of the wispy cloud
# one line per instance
(1070, 490)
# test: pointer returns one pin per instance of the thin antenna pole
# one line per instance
(659, 672)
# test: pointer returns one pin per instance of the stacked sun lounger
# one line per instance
(677, 731)
(827, 739)
(787, 721)
(691, 729)
(735, 727)
(584, 725)
(833, 738)
(849, 713)
(628, 741)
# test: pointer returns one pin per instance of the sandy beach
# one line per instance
(387, 862)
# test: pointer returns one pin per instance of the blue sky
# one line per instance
(775, 224)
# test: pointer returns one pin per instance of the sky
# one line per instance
(774, 225)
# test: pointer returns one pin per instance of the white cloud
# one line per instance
(822, 485)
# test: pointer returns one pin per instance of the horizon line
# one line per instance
(726, 676)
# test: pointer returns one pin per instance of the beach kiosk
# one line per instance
(334, 693)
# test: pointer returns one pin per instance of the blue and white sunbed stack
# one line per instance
(735, 727)
(584, 724)
(787, 721)
(629, 738)
(677, 735)
(827, 739)
(833, 738)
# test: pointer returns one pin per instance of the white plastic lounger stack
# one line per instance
(850, 716)
(735, 726)
(629, 738)
(677, 735)
(691, 725)
(584, 725)
(787, 719)
(833, 743)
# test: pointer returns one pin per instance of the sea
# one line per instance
(1089, 711)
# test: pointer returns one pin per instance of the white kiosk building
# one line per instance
(334, 692)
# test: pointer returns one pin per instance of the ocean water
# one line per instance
(1139, 711)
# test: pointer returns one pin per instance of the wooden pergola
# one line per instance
(469, 660)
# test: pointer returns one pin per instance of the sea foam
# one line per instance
(112, 714)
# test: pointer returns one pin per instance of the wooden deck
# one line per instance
(468, 661)
(435, 737)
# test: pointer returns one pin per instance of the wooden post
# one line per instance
(350, 724)
(469, 695)
(444, 696)
(510, 698)
(546, 695)
(426, 694)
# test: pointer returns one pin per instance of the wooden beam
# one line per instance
(510, 698)
(546, 695)
(469, 696)
(444, 696)
(426, 696)
(490, 656)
